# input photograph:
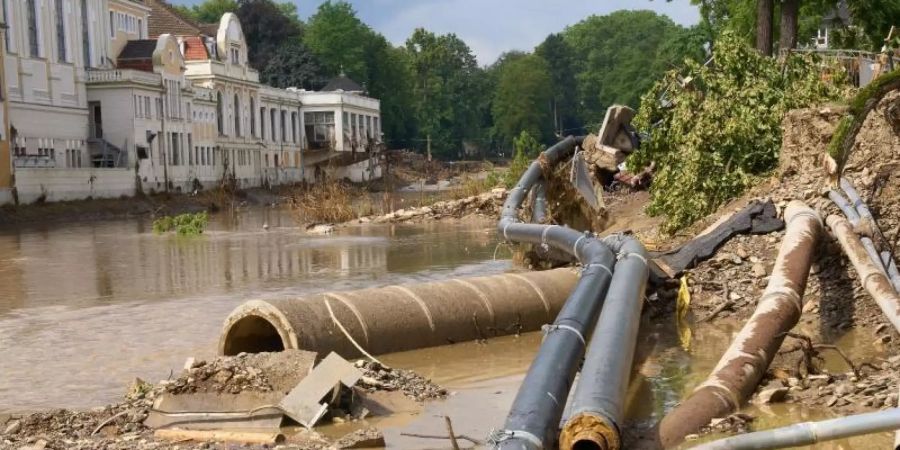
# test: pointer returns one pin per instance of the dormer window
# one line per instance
(235, 55)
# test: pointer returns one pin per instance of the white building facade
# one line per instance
(107, 98)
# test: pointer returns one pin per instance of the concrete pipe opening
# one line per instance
(252, 334)
(254, 327)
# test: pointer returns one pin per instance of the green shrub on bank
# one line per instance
(183, 224)
(715, 128)
(526, 149)
(859, 106)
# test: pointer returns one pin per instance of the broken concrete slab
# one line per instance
(303, 403)
(252, 411)
(363, 438)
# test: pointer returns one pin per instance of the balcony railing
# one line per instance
(122, 76)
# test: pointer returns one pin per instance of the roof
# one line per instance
(195, 49)
(165, 19)
(342, 83)
(138, 49)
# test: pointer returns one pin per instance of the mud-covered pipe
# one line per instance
(598, 404)
(745, 362)
(397, 318)
(870, 275)
(533, 419)
(809, 433)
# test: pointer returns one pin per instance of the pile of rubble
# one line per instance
(122, 425)
(486, 204)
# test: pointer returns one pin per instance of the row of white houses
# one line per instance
(105, 98)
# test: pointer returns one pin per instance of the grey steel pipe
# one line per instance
(809, 433)
(539, 205)
(854, 219)
(743, 365)
(887, 259)
(397, 318)
(870, 275)
(534, 417)
(598, 404)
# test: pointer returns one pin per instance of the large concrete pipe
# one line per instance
(871, 276)
(743, 365)
(598, 405)
(397, 318)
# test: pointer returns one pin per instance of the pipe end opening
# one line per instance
(587, 444)
(252, 334)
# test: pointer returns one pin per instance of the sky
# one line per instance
(491, 27)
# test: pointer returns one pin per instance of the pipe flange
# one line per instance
(592, 428)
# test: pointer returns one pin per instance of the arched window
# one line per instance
(237, 115)
(220, 114)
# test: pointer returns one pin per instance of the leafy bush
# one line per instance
(183, 224)
(526, 149)
(715, 128)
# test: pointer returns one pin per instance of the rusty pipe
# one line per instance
(745, 362)
(870, 275)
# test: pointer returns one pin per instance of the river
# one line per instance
(87, 307)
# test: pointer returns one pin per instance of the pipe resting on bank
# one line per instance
(740, 369)
(534, 417)
(809, 433)
(864, 214)
(872, 278)
(598, 403)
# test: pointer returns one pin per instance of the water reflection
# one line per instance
(84, 308)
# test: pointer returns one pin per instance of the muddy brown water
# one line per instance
(87, 307)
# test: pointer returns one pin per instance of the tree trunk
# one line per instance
(765, 10)
(789, 10)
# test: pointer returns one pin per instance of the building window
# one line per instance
(219, 114)
(262, 123)
(272, 119)
(85, 35)
(283, 126)
(319, 128)
(353, 127)
(61, 53)
(6, 36)
(375, 128)
(112, 25)
(33, 36)
(252, 117)
(294, 127)
(140, 30)
(237, 115)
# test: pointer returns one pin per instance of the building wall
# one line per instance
(126, 21)
(55, 185)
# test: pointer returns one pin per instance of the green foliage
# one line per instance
(619, 56)
(183, 224)
(526, 149)
(338, 38)
(867, 98)
(714, 129)
(293, 65)
(210, 11)
(560, 62)
(267, 29)
(523, 98)
(445, 90)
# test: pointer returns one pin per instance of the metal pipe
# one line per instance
(887, 259)
(397, 318)
(809, 433)
(740, 369)
(598, 404)
(870, 275)
(539, 205)
(534, 417)
(853, 217)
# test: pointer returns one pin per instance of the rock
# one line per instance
(842, 390)
(365, 438)
(831, 401)
(772, 395)
(758, 270)
(13, 427)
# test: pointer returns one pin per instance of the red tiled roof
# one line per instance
(194, 49)
(165, 19)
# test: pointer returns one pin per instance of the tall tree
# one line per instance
(765, 14)
(558, 55)
(523, 99)
(210, 11)
(266, 29)
(338, 38)
(445, 88)
(790, 10)
(293, 65)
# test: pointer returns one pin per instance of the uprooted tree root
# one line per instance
(811, 352)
